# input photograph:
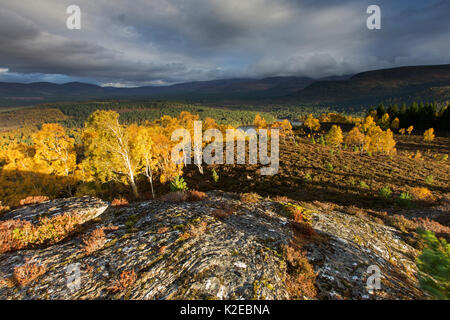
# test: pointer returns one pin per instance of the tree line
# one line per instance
(421, 116)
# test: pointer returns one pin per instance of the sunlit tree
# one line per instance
(409, 130)
(312, 123)
(334, 137)
(428, 135)
(109, 149)
(356, 138)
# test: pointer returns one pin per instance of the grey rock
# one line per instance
(180, 251)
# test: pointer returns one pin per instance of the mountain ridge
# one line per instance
(394, 84)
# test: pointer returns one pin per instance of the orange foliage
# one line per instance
(119, 202)
(16, 234)
(421, 193)
(27, 273)
(33, 200)
(126, 280)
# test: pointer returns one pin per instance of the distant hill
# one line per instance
(403, 84)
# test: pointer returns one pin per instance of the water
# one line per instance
(246, 128)
(294, 123)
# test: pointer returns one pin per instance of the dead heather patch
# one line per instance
(181, 196)
(328, 206)
(7, 240)
(194, 195)
(16, 234)
(401, 223)
(33, 200)
(119, 202)
(162, 230)
(198, 229)
(221, 214)
(126, 280)
(431, 225)
(96, 239)
(27, 273)
(250, 197)
(300, 278)
(282, 199)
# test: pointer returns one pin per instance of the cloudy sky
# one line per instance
(155, 42)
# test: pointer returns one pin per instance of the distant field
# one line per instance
(74, 114)
(13, 119)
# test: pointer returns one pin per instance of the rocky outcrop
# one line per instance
(86, 207)
(164, 250)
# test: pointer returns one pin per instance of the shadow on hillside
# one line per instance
(26, 187)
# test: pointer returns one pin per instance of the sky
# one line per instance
(126, 43)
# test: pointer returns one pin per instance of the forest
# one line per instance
(100, 149)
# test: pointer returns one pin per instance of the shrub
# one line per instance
(330, 167)
(4, 208)
(178, 184)
(27, 273)
(428, 135)
(119, 202)
(215, 176)
(363, 185)
(385, 192)
(194, 195)
(307, 177)
(322, 140)
(434, 266)
(250, 197)
(418, 155)
(421, 193)
(429, 179)
(294, 212)
(405, 199)
(181, 196)
(410, 130)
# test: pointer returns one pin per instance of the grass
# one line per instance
(434, 266)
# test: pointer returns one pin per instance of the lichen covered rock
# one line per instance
(163, 250)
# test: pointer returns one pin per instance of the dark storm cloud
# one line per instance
(165, 41)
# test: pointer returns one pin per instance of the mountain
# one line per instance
(431, 83)
(237, 88)
(402, 84)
